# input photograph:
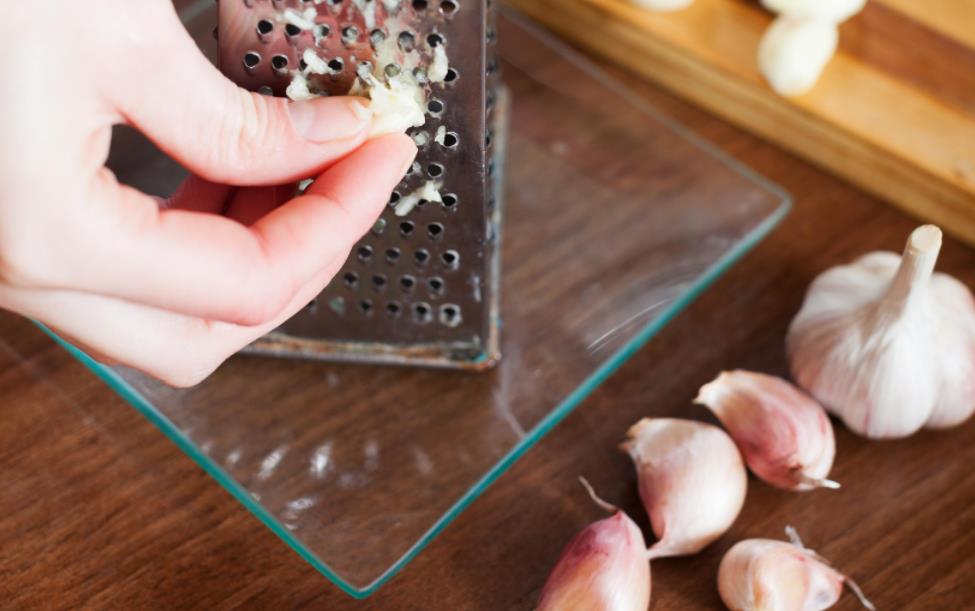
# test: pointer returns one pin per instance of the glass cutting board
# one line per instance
(615, 219)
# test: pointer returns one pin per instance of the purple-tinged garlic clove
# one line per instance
(692, 482)
(784, 435)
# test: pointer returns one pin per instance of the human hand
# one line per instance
(171, 288)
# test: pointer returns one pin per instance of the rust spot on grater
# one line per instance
(422, 287)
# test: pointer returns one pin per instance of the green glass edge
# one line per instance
(123, 389)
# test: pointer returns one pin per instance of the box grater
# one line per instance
(422, 287)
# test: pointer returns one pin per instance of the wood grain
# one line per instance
(99, 511)
(876, 118)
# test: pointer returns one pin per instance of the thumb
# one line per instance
(220, 131)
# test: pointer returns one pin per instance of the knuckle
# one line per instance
(247, 131)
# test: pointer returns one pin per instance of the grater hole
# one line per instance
(351, 279)
(279, 63)
(336, 65)
(377, 37)
(379, 226)
(406, 41)
(435, 231)
(264, 27)
(394, 309)
(379, 282)
(365, 306)
(364, 252)
(337, 305)
(449, 202)
(436, 286)
(312, 306)
(407, 283)
(392, 255)
(422, 313)
(451, 76)
(451, 259)
(251, 59)
(435, 39)
(449, 7)
(265, 90)
(450, 140)
(420, 74)
(414, 169)
(392, 70)
(435, 107)
(394, 197)
(435, 170)
(420, 5)
(291, 30)
(406, 228)
(350, 34)
(450, 315)
(421, 257)
(322, 30)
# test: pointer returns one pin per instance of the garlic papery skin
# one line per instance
(692, 482)
(833, 11)
(784, 435)
(887, 345)
(604, 568)
(663, 5)
(794, 52)
(768, 575)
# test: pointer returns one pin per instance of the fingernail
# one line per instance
(326, 119)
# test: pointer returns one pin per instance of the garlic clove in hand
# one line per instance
(886, 344)
(833, 11)
(691, 479)
(604, 568)
(784, 435)
(794, 52)
(768, 575)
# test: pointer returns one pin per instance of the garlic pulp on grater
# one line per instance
(393, 80)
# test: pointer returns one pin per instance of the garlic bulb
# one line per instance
(692, 482)
(887, 345)
(604, 568)
(767, 575)
(783, 434)
(833, 11)
(793, 53)
(663, 5)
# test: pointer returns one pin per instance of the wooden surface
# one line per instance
(98, 510)
(894, 111)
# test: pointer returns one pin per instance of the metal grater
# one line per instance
(422, 287)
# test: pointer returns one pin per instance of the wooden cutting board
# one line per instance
(894, 111)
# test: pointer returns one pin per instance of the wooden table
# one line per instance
(115, 516)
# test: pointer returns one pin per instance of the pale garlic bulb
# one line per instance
(887, 345)
(768, 575)
(794, 52)
(784, 435)
(604, 568)
(833, 11)
(692, 482)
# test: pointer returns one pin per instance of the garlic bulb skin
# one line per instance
(768, 575)
(604, 568)
(783, 434)
(886, 344)
(692, 482)
(833, 11)
(794, 52)
(663, 5)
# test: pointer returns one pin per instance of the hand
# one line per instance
(171, 288)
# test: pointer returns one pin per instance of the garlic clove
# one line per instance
(604, 568)
(692, 482)
(793, 53)
(663, 5)
(887, 345)
(833, 11)
(768, 575)
(783, 434)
